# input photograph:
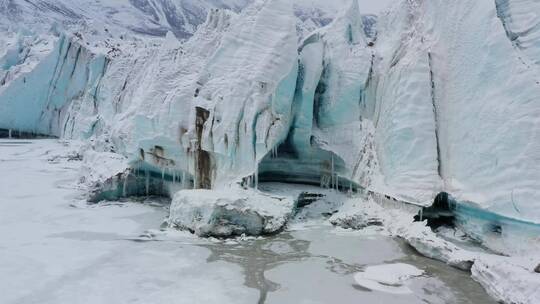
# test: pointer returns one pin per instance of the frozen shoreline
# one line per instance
(115, 251)
(510, 279)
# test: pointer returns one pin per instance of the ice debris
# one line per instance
(229, 213)
(390, 278)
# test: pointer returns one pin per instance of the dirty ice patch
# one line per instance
(389, 278)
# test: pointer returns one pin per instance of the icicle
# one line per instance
(115, 183)
(332, 173)
(183, 179)
(162, 179)
(174, 176)
(124, 186)
(9, 132)
(256, 176)
(147, 183)
(421, 213)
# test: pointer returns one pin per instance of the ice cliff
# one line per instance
(441, 97)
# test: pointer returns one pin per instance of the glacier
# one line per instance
(430, 97)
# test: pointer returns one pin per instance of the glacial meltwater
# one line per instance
(57, 248)
(317, 264)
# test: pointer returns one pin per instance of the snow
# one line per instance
(477, 166)
(510, 279)
(390, 278)
(443, 98)
(58, 249)
(97, 167)
(520, 19)
(357, 213)
(229, 212)
(390, 114)
(139, 17)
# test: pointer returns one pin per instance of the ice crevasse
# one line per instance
(443, 99)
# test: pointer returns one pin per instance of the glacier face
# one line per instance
(422, 105)
(38, 89)
(488, 151)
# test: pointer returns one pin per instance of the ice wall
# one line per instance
(489, 113)
(521, 21)
(210, 108)
(36, 92)
(444, 98)
(325, 143)
(403, 106)
(451, 94)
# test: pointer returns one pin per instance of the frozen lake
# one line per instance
(55, 248)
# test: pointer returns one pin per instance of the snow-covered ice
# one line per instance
(430, 97)
(231, 212)
(388, 113)
(510, 279)
(57, 248)
(390, 278)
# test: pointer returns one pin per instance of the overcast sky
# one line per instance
(366, 6)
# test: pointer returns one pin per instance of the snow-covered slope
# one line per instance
(135, 17)
(148, 17)
(310, 19)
